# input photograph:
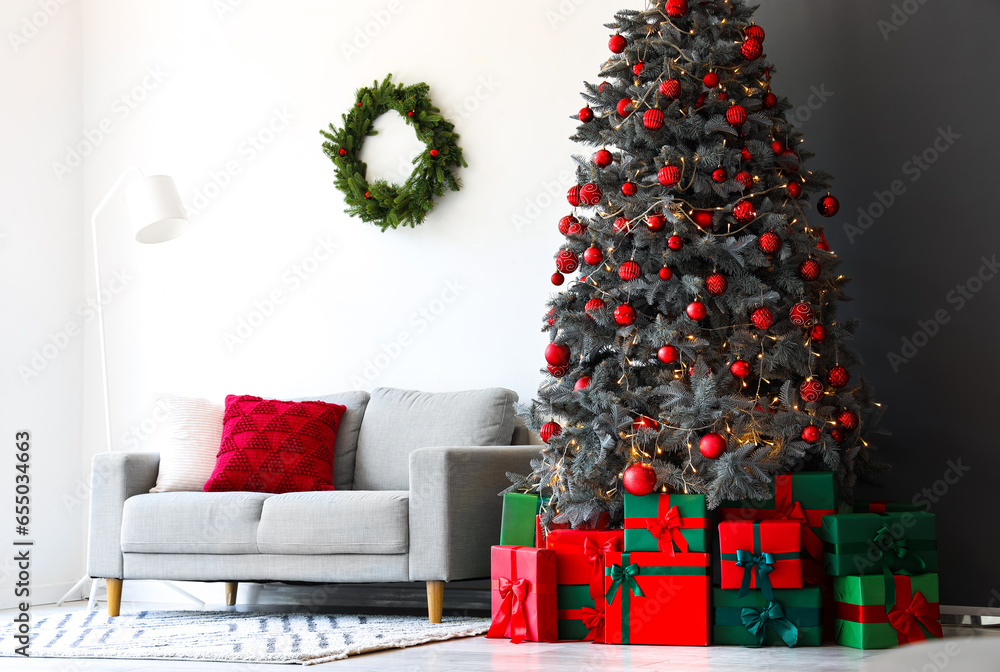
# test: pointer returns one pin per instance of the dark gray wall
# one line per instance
(891, 93)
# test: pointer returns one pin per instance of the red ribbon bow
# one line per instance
(907, 621)
(671, 524)
(786, 509)
(511, 611)
(594, 554)
(593, 619)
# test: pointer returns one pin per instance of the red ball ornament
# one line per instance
(818, 333)
(739, 369)
(576, 229)
(837, 434)
(670, 89)
(828, 206)
(602, 86)
(565, 223)
(567, 261)
(762, 318)
(752, 49)
(586, 115)
(744, 212)
(625, 315)
(629, 189)
(593, 304)
(697, 311)
(639, 479)
(623, 225)
(573, 196)
(736, 115)
(590, 194)
(557, 354)
(669, 175)
(703, 218)
(549, 430)
(668, 354)
(582, 384)
(629, 271)
(809, 270)
(675, 243)
(558, 278)
(638, 68)
(778, 147)
(801, 314)
(712, 445)
(722, 95)
(811, 434)
(593, 255)
(848, 419)
(720, 175)
(794, 190)
(745, 153)
(603, 158)
(811, 390)
(711, 80)
(745, 179)
(624, 107)
(716, 284)
(701, 101)
(770, 100)
(838, 377)
(558, 371)
(769, 242)
(755, 32)
(343, 152)
(653, 119)
(645, 422)
(617, 44)
(666, 274)
(676, 8)
(656, 223)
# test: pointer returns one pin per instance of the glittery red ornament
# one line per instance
(838, 377)
(629, 189)
(811, 434)
(670, 89)
(638, 68)
(752, 49)
(558, 279)
(573, 196)
(722, 95)
(744, 212)
(582, 383)
(590, 194)
(666, 274)
(675, 243)
(711, 80)
(653, 119)
(769, 242)
(676, 8)
(639, 479)
(818, 333)
(811, 390)
(736, 115)
(625, 315)
(716, 284)
(593, 304)
(795, 189)
(848, 419)
(565, 222)
(593, 255)
(828, 206)
(622, 225)
(549, 430)
(703, 218)
(552, 317)
(712, 445)
(645, 422)
(669, 175)
(603, 158)
(739, 369)
(762, 318)
(770, 100)
(586, 115)
(617, 44)
(557, 354)
(558, 371)
(745, 179)
(668, 354)
(624, 107)
(801, 314)
(567, 261)
(809, 270)
(755, 32)
(697, 311)
(629, 271)
(656, 223)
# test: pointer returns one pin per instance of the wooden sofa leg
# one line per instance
(231, 588)
(435, 600)
(114, 597)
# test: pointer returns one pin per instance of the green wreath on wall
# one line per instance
(382, 203)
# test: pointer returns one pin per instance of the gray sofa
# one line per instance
(416, 477)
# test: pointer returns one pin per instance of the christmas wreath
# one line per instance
(390, 205)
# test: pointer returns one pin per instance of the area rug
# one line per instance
(229, 636)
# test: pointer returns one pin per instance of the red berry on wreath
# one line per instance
(343, 152)
(653, 119)
(703, 218)
(697, 311)
(762, 318)
(716, 284)
(638, 68)
(656, 223)
(676, 8)
(669, 175)
(837, 434)
(629, 271)
(434, 153)
(720, 175)
(752, 49)
(590, 194)
(645, 422)
(624, 107)
(828, 206)
(629, 189)
(755, 32)
(410, 113)
(623, 225)
(675, 243)
(639, 479)
(368, 194)
(769, 242)
(567, 261)
(736, 115)
(668, 354)
(711, 80)
(795, 190)
(593, 304)
(801, 314)
(739, 369)
(848, 419)
(712, 445)
(811, 434)
(586, 115)
(593, 255)
(670, 89)
(573, 196)
(359, 103)
(549, 430)
(838, 377)
(770, 100)
(603, 158)
(809, 270)
(666, 274)
(744, 212)
(818, 333)
(558, 278)
(617, 44)
(625, 315)
(811, 390)
(745, 179)
(565, 222)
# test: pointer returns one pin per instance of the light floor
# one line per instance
(967, 650)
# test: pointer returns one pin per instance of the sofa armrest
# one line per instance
(455, 508)
(115, 477)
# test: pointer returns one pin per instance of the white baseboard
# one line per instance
(47, 594)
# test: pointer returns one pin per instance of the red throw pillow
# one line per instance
(276, 446)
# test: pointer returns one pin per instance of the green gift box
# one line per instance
(517, 524)
(859, 544)
(884, 506)
(862, 619)
(573, 604)
(661, 522)
(754, 621)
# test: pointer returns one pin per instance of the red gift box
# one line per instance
(657, 598)
(523, 594)
(541, 534)
(761, 554)
(580, 557)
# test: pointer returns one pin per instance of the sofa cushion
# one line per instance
(327, 523)
(347, 434)
(192, 522)
(399, 421)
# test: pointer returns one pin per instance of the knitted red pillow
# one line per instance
(276, 446)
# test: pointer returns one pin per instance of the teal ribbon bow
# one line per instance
(763, 564)
(624, 575)
(757, 621)
(896, 555)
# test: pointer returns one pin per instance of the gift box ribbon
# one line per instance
(593, 620)
(667, 526)
(513, 607)
(757, 561)
(594, 554)
(756, 621)
(910, 622)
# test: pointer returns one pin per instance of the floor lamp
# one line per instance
(157, 215)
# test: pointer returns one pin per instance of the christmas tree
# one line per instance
(698, 350)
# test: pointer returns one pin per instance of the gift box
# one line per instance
(542, 531)
(762, 554)
(863, 621)
(523, 594)
(580, 577)
(871, 543)
(884, 506)
(517, 523)
(792, 618)
(665, 523)
(657, 598)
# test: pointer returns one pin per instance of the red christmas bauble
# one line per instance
(590, 194)
(745, 179)
(752, 49)
(736, 115)
(791, 161)
(586, 115)
(666, 274)
(828, 206)
(716, 284)
(777, 147)
(668, 354)
(676, 8)
(558, 371)
(769, 242)
(639, 479)
(582, 384)
(671, 89)
(675, 243)
(343, 152)
(625, 315)
(549, 430)
(811, 390)
(603, 158)
(629, 189)
(703, 218)
(795, 189)
(573, 196)
(755, 32)
(622, 225)
(801, 314)
(739, 369)
(617, 44)
(602, 86)
(818, 333)
(638, 68)
(838, 377)
(720, 175)
(711, 80)
(712, 445)
(558, 279)
(645, 422)
(656, 223)
(567, 261)
(624, 107)
(565, 222)
(557, 354)
(838, 434)
(744, 212)
(762, 318)
(653, 119)
(629, 271)
(809, 270)
(697, 311)
(576, 229)
(770, 100)
(701, 101)
(811, 434)
(745, 153)
(722, 95)
(593, 255)
(593, 304)
(848, 419)
(669, 175)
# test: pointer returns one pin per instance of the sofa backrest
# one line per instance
(398, 421)
(346, 449)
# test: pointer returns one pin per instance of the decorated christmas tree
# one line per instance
(696, 346)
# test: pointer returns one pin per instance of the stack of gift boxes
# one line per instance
(791, 570)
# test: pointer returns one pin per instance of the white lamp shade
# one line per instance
(155, 209)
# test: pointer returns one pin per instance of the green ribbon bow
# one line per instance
(757, 621)
(763, 564)
(895, 556)
(624, 575)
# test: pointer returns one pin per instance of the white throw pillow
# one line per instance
(193, 437)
